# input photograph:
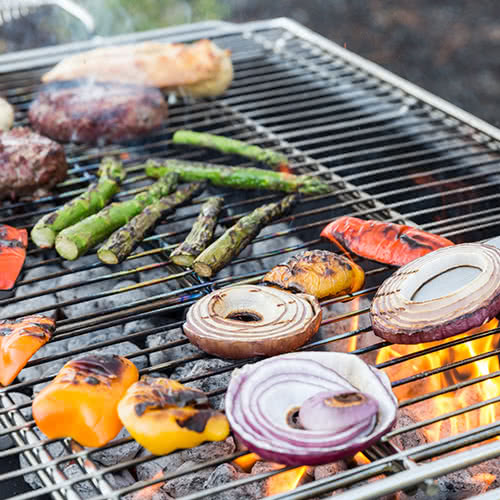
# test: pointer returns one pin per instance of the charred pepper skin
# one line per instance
(81, 402)
(76, 240)
(19, 340)
(13, 244)
(201, 234)
(163, 415)
(383, 242)
(239, 177)
(317, 272)
(231, 146)
(111, 174)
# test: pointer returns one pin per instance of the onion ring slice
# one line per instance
(259, 398)
(397, 316)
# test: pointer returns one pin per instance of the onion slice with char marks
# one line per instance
(264, 399)
(249, 320)
(402, 313)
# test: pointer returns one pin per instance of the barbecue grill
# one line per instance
(390, 150)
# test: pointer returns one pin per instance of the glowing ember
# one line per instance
(246, 462)
(452, 401)
(285, 481)
(149, 491)
(484, 478)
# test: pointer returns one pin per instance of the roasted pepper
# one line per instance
(13, 243)
(81, 402)
(19, 340)
(317, 272)
(383, 242)
(163, 415)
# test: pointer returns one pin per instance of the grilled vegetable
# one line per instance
(201, 234)
(408, 309)
(231, 146)
(278, 407)
(242, 321)
(163, 415)
(382, 241)
(121, 243)
(75, 240)
(317, 272)
(19, 340)
(239, 177)
(97, 195)
(237, 237)
(13, 243)
(81, 402)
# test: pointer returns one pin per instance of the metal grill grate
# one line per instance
(390, 150)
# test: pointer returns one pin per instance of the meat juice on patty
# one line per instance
(90, 112)
(29, 163)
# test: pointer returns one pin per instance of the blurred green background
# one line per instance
(449, 47)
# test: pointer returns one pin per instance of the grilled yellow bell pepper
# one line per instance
(81, 402)
(163, 415)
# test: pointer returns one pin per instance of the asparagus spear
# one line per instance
(232, 146)
(237, 237)
(121, 243)
(97, 195)
(239, 177)
(75, 240)
(201, 234)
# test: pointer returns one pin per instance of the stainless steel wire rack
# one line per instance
(390, 150)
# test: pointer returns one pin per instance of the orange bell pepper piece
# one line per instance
(81, 402)
(13, 243)
(382, 241)
(163, 415)
(19, 340)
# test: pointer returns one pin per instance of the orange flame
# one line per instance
(458, 399)
(484, 478)
(354, 324)
(285, 481)
(246, 462)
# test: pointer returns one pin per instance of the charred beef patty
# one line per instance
(29, 163)
(92, 112)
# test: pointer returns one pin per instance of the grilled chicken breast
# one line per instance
(201, 69)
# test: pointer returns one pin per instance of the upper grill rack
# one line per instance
(391, 151)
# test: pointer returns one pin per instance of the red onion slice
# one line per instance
(401, 315)
(261, 397)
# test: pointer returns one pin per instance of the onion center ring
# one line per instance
(249, 320)
(399, 318)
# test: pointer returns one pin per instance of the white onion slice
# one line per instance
(398, 317)
(282, 321)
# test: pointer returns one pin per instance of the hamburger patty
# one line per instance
(96, 112)
(29, 163)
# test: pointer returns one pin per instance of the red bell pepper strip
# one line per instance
(383, 242)
(13, 243)
(19, 340)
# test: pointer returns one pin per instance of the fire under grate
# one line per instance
(390, 150)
